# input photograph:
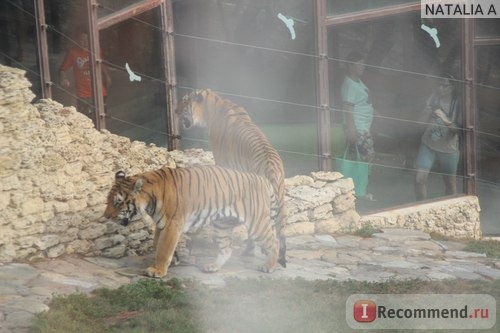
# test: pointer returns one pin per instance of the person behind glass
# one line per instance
(78, 59)
(440, 139)
(358, 109)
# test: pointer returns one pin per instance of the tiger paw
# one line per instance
(154, 272)
(267, 268)
(211, 268)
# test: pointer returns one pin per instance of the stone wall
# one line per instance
(56, 170)
(323, 202)
(457, 217)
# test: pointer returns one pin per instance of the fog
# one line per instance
(262, 55)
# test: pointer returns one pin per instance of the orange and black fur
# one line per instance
(184, 199)
(237, 143)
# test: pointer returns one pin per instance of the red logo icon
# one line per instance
(365, 311)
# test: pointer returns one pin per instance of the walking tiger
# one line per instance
(184, 199)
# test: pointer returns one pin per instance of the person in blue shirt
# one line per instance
(440, 139)
(358, 110)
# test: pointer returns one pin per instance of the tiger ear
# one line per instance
(199, 96)
(119, 175)
(139, 183)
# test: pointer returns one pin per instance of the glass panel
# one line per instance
(487, 28)
(66, 26)
(135, 109)
(18, 39)
(338, 7)
(488, 125)
(136, 105)
(403, 68)
(248, 55)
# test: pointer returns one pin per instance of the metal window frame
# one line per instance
(322, 87)
(469, 102)
(43, 50)
(96, 65)
(372, 14)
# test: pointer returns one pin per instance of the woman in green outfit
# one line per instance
(358, 111)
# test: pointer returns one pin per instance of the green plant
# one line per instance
(440, 237)
(366, 231)
(489, 247)
(146, 305)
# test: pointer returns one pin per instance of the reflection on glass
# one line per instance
(68, 31)
(18, 39)
(70, 57)
(247, 54)
(77, 60)
(403, 69)
(134, 108)
(487, 28)
(338, 7)
(136, 102)
(440, 141)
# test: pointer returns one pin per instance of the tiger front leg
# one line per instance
(266, 239)
(222, 237)
(156, 237)
(166, 241)
(272, 259)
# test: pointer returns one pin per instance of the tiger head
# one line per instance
(191, 110)
(121, 202)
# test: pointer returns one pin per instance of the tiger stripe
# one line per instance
(186, 199)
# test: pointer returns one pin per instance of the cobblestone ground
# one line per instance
(26, 288)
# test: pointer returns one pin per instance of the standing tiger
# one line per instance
(185, 199)
(237, 143)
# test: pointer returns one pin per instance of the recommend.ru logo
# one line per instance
(421, 311)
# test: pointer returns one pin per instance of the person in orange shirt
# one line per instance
(78, 59)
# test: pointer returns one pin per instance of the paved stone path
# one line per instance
(26, 288)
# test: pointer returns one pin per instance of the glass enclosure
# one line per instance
(403, 69)
(250, 53)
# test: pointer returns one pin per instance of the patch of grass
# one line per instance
(489, 247)
(366, 231)
(440, 237)
(130, 308)
(251, 305)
